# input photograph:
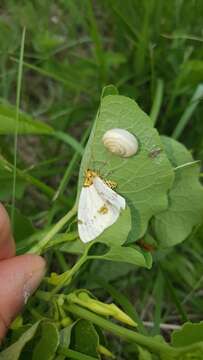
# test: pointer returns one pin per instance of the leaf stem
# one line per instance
(142, 340)
(68, 275)
(38, 248)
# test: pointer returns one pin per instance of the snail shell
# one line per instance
(120, 142)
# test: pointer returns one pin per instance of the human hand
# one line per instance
(19, 275)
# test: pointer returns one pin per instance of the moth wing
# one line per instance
(92, 221)
(108, 194)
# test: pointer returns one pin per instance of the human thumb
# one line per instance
(19, 278)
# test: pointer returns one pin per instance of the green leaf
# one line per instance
(176, 152)
(142, 179)
(107, 270)
(27, 125)
(80, 336)
(109, 90)
(13, 352)
(130, 255)
(144, 354)
(84, 338)
(185, 198)
(116, 234)
(48, 342)
(65, 335)
(73, 247)
(189, 334)
(189, 341)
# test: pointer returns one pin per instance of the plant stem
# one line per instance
(142, 340)
(38, 248)
(74, 354)
(67, 277)
(61, 260)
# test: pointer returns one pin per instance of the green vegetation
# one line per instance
(57, 60)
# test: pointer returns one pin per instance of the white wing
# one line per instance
(94, 214)
(108, 194)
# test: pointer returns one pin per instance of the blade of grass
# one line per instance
(154, 113)
(182, 36)
(143, 40)
(124, 19)
(68, 80)
(97, 41)
(45, 189)
(69, 170)
(19, 83)
(174, 297)
(44, 72)
(69, 140)
(175, 90)
(197, 285)
(197, 97)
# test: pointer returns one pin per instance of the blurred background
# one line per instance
(152, 50)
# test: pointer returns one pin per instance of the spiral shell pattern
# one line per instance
(120, 142)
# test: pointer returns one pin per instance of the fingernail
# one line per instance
(19, 278)
(33, 278)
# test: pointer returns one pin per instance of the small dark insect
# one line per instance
(155, 152)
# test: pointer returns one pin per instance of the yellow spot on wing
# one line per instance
(103, 210)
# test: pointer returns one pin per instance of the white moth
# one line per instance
(99, 206)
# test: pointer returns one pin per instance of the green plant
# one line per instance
(69, 315)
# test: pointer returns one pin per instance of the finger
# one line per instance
(19, 277)
(7, 244)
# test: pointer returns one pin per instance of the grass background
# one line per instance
(152, 51)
